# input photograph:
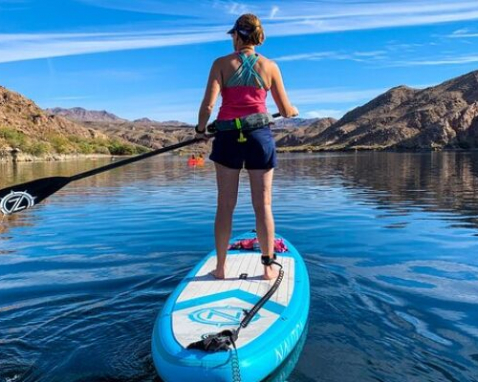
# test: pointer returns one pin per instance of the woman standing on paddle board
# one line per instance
(243, 138)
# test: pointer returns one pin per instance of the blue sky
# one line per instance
(151, 58)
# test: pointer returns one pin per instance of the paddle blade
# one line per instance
(22, 196)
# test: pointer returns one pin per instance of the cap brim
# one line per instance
(231, 31)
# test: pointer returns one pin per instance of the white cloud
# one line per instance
(237, 8)
(463, 33)
(313, 56)
(206, 21)
(324, 113)
(291, 10)
(318, 56)
(455, 60)
(274, 11)
(26, 47)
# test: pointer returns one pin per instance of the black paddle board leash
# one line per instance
(223, 340)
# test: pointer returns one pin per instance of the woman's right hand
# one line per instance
(290, 112)
(293, 112)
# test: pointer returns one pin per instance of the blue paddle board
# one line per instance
(202, 305)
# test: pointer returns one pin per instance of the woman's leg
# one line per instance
(261, 192)
(227, 186)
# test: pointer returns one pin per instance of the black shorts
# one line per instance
(257, 153)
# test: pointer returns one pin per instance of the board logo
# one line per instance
(220, 315)
(15, 202)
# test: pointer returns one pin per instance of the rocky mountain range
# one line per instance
(439, 117)
(154, 134)
(403, 118)
(292, 137)
(27, 130)
(143, 131)
(82, 115)
(22, 115)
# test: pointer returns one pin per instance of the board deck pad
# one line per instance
(209, 305)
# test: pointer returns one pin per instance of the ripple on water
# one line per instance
(391, 261)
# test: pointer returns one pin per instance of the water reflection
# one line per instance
(389, 240)
(438, 181)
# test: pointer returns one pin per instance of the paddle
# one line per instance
(22, 196)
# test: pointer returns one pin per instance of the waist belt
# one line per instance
(250, 122)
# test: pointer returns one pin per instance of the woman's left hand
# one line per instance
(202, 136)
(201, 133)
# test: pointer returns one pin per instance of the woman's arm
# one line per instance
(279, 94)
(210, 96)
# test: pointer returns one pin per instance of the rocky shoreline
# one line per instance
(12, 156)
(25, 158)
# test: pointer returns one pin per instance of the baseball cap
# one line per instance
(241, 30)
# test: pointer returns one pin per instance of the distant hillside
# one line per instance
(151, 134)
(104, 118)
(302, 133)
(154, 134)
(163, 124)
(284, 123)
(26, 128)
(439, 117)
(83, 115)
(143, 131)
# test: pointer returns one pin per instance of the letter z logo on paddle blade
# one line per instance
(15, 202)
(219, 316)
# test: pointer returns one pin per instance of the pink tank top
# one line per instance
(244, 93)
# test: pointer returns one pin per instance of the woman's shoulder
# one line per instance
(227, 58)
(266, 62)
(223, 62)
(231, 59)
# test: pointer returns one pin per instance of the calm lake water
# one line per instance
(390, 241)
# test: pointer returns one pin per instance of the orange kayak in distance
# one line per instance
(196, 162)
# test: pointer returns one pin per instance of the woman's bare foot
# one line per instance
(219, 273)
(270, 273)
